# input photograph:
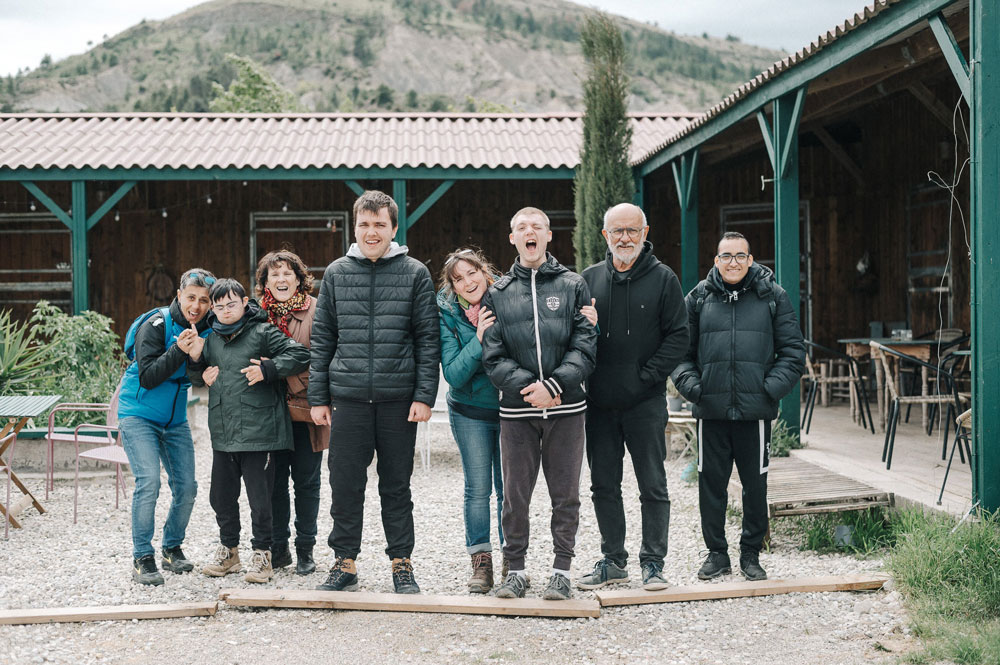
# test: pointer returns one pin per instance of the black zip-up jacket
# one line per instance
(539, 334)
(642, 330)
(156, 362)
(375, 336)
(744, 355)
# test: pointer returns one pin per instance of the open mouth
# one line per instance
(531, 244)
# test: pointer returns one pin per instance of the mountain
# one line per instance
(389, 55)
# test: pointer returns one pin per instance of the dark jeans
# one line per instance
(641, 430)
(555, 444)
(257, 472)
(304, 466)
(720, 443)
(358, 431)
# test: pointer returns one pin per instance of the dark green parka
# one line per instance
(242, 417)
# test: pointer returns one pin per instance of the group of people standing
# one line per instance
(544, 365)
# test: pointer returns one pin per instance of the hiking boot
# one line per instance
(144, 571)
(750, 567)
(175, 561)
(260, 570)
(280, 556)
(402, 576)
(304, 564)
(605, 572)
(716, 563)
(513, 586)
(482, 573)
(557, 588)
(343, 576)
(652, 576)
(225, 560)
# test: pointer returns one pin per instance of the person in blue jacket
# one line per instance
(473, 407)
(152, 420)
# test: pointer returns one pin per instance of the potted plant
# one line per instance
(674, 400)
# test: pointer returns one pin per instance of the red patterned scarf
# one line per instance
(278, 313)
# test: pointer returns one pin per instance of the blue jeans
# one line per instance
(147, 445)
(479, 445)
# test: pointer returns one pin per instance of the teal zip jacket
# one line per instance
(462, 358)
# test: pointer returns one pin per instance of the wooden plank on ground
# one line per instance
(106, 613)
(391, 602)
(683, 594)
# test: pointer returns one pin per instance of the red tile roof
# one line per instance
(362, 140)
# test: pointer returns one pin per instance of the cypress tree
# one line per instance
(604, 177)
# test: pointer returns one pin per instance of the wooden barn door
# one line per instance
(317, 237)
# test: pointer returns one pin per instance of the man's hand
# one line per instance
(486, 319)
(210, 375)
(253, 373)
(320, 415)
(419, 413)
(590, 311)
(537, 396)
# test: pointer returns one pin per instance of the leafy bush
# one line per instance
(783, 440)
(23, 358)
(86, 353)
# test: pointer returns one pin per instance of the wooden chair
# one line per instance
(60, 435)
(817, 377)
(963, 436)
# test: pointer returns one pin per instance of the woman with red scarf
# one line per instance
(283, 285)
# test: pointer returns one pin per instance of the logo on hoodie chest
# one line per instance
(552, 302)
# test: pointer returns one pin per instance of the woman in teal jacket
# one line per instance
(473, 407)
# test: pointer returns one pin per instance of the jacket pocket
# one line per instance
(258, 415)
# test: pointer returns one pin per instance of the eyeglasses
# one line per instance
(228, 307)
(634, 234)
(741, 258)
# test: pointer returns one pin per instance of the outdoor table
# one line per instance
(687, 425)
(16, 411)
(858, 347)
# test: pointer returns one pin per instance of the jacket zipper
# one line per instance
(538, 338)
(371, 336)
(732, 354)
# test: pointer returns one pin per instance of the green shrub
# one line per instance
(783, 440)
(23, 357)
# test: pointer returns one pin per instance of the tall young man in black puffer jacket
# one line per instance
(373, 376)
(538, 354)
(746, 354)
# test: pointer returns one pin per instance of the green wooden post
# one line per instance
(639, 198)
(782, 142)
(399, 196)
(985, 202)
(78, 232)
(686, 181)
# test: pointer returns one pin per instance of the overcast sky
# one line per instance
(31, 28)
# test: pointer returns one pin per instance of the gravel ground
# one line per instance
(52, 563)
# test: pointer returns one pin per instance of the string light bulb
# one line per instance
(117, 216)
(31, 206)
(164, 213)
(208, 199)
(284, 207)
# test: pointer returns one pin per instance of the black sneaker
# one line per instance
(402, 576)
(175, 561)
(304, 564)
(144, 571)
(652, 577)
(557, 588)
(716, 563)
(513, 586)
(339, 578)
(280, 556)
(605, 572)
(750, 567)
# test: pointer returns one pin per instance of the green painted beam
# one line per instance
(952, 53)
(765, 130)
(51, 205)
(639, 197)
(787, 111)
(399, 196)
(355, 187)
(685, 180)
(78, 246)
(110, 203)
(429, 201)
(985, 202)
(326, 173)
(887, 24)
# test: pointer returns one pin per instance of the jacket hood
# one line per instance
(760, 278)
(395, 249)
(549, 268)
(643, 264)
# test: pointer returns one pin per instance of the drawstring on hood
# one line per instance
(643, 263)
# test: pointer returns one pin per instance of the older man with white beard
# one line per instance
(643, 335)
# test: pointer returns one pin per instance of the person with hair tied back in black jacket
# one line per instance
(746, 354)
(373, 376)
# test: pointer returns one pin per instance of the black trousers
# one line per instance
(359, 430)
(304, 467)
(720, 443)
(641, 430)
(257, 472)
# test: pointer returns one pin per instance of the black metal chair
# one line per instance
(963, 436)
(949, 340)
(853, 379)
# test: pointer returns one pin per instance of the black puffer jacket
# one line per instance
(375, 337)
(539, 334)
(744, 355)
(643, 331)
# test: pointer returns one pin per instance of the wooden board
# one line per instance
(708, 591)
(106, 613)
(391, 602)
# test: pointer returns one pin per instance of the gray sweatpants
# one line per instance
(557, 444)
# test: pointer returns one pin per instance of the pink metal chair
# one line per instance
(113, 452)
(5, 465)
(109, 427)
